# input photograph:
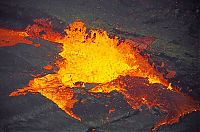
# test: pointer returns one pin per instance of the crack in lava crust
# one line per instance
(94, 57)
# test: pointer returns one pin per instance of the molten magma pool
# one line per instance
(94, 57)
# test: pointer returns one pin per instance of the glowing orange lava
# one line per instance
(94, 57)
(138, 91)
(11, 37)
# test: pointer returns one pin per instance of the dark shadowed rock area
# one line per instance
(175, 24)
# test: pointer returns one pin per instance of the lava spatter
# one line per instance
(94, 57)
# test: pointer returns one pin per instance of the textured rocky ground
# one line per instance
(174, 23)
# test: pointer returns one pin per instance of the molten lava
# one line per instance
(138, 91)
(94, 57)
(11, 37)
